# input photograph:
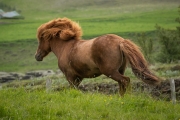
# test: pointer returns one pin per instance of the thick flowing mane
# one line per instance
(62, 28)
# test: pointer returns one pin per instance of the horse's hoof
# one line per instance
(122, 90)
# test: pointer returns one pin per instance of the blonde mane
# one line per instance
(62, 28)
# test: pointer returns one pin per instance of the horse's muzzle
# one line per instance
(38, 57)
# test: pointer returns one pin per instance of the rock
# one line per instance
(17, 75)
(59, 71)
(34, 74)
(40, 73)
(3, 73)
(6, 78)
(26, 77)
(175, 68)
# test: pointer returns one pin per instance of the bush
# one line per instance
(170, 41)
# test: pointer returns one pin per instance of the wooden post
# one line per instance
(173, 91)
(48, 85)
(0, 86)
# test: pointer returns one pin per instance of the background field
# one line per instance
(123, 17)
(126, 18)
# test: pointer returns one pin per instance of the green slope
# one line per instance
(18, 37)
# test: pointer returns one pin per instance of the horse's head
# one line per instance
(57, 29)
(44, 44)
(43, 50)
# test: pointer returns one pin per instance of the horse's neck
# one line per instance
(58, 47)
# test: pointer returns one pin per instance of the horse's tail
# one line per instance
(138, 63)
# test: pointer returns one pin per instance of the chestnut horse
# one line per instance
(78, 59)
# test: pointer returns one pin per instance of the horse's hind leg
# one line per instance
(122, 80)
(126, 81)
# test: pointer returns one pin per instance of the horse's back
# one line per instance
(106, 45)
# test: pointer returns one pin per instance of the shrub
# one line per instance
(170, 41)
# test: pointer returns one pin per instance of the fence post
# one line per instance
(48, 85)
(0, 86)
(173, 91)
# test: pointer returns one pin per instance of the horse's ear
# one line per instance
(66, 34)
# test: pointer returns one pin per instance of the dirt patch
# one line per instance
(162, 91)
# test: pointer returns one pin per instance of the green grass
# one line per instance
(18, 39)
(19, 56)
(18, 30)
(70, 104)
(117, 17)
(138, 22)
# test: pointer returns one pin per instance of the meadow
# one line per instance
(18, 41)
(18, 37)
(71, 104)
(18, 44)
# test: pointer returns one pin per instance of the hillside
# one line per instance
(125, 18)
(43, 7)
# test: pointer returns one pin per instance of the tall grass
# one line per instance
(71, 104)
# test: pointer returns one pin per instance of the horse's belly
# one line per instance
(93, 73)
(86, 71)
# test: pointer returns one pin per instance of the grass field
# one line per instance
(12, 30)
(18, 37)
(70, 104)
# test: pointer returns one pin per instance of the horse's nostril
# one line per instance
(38, 57)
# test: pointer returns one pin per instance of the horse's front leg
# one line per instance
(74, 81)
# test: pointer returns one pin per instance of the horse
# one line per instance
(108, 54)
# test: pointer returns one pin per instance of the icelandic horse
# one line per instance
(107, 54)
